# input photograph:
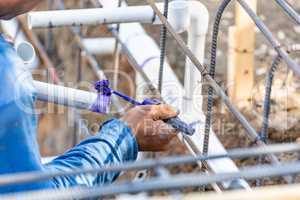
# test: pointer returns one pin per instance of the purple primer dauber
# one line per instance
(102, 105)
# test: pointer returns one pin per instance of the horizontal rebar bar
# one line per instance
(289, 10)
(158, 184)
(10, 179)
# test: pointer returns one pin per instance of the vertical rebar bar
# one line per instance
(212, 70)
(266, 108)
(268, 89)
(116, 56)
(163, 42)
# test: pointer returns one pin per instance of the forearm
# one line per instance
(114, 144)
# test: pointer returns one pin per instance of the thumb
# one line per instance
(163, 111)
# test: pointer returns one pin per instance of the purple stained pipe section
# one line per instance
(102, 103)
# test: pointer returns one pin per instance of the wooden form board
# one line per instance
(241, 42)
(283, 192)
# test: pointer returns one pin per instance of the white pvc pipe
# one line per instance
(199, 18)
(64, 95)
(93, 16)
(22, 46)
(100, 46)
(136, 39)
(178, 17)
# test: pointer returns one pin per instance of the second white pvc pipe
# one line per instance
(100, 46)
(92, 16)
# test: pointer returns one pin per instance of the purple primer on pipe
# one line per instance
(102, 103)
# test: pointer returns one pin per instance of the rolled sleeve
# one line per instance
(114, 144)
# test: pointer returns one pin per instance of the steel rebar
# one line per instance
(163, 46)
(289, 10)
(10, 179)
(250, 130)
(212, 70)
(157, 184)
(269, 36)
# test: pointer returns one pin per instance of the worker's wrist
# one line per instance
(121, 136)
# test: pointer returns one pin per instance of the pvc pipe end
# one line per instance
(179, 15)
(199, 13)
(26, 52)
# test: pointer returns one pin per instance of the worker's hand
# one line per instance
(12, 8)
(151, 133)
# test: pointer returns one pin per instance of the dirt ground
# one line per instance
(56, 131)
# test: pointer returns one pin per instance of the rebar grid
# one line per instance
(210, 76)
(250, 130)
(241, 153)
(156, 184)
(178, 182)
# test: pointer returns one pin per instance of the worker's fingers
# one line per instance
(165, 130)
(159, 137)
(165, 134)
(163, 111)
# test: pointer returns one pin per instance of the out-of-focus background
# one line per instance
(57, 132)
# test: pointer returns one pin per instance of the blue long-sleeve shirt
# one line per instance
(19, 150)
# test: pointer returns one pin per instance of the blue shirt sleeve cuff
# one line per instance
(118, 133)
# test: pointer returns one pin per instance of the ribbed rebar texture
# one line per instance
(12, 179)
(163, 42)
(158, 184)
(210, 100)
(266, 109)
(268, 90)
(267, 99)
